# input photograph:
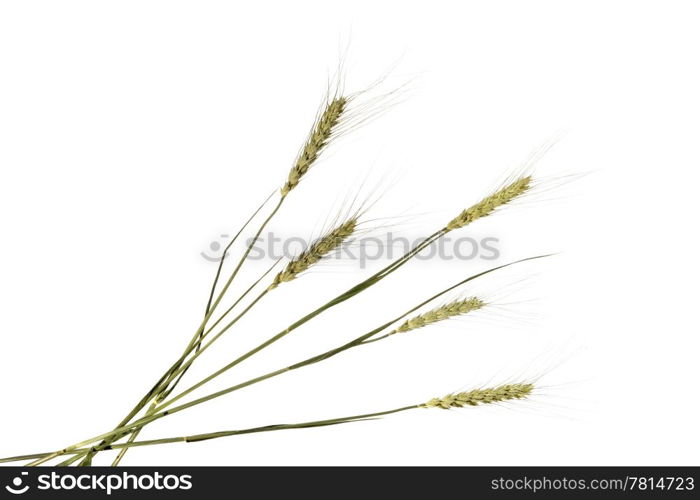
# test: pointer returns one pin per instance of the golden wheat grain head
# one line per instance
(491, 203)
(318, 139)
(481, 396)
(447, 311)
(316, 251)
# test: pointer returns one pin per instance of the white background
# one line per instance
(133, 134)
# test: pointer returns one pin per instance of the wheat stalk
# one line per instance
(474, 397)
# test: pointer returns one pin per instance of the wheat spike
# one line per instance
(487, 206)
(481, 396)
(320, 135)
(456, 308)
(320, 248)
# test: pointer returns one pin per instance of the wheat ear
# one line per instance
(319, 249)
(481, 396)
(489, 204)
(447, 311)
(317, 141)
(456, 308)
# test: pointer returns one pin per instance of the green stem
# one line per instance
(228, 247)
(369, 341)
(123, 451)
(184, 367)
(211, 307)
(215, 435)
(339, 299)
(315, 359)
(213, 290)
(21, 458)
(266, 428)
(69, 461)
(167, 386)
(132, 437)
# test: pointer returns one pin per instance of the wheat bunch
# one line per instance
(157, 402)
